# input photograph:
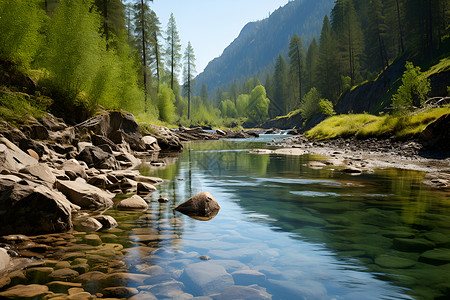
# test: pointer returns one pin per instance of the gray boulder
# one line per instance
(151, 143)
(85, 195)
(29, 208)
(167, 140)
(106, 221)
(4, 260)
(41, 171)
(97, 158)
(73, 167)
(132, 203)
(12, 157)
(201, 206)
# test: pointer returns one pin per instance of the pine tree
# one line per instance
(279, 105)
(113, 20)
(173, 55)
(204, 95)
(312, 57)
(155, 47)
(377, 30)
(142, 21)
(296, 68)
(189, 74)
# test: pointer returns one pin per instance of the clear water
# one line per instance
(315, 234)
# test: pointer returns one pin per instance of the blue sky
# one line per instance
(211, 25)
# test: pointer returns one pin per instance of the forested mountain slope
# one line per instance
(259, 43)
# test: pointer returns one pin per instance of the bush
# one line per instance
(310, 104)
(258, 106)
(326, 107)
(166, 106)
(413, 91)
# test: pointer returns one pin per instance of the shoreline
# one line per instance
(355, 157)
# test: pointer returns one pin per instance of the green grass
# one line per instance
(366, 125)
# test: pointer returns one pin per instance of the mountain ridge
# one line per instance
(259, 43)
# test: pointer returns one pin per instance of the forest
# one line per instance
(86, 55)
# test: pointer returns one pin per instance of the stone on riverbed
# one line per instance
(4, 260)
(206, 278)
(202, 205)
(85, 195)
(20, 291)
(134, 202)
(145, 188)
(243, 292)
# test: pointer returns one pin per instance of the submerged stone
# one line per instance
(205, 278)
(387, 261)
(436, 257)
(412, 245)
(25, 291)
(243, 292)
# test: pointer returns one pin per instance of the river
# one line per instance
(285, 230)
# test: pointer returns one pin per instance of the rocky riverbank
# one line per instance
(355, 156)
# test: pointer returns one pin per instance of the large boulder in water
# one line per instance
(202, 206)
(31, 208)
(167, 140)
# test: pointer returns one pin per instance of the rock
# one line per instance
(99, 140)
(172, 289)
(128, 184)
(75, 168)
(33, 209)
(167, 140)
(33, 154)
(12, 157)
(123, 279)
(52, 123)
(91, 280)
(32, 291)
(97, 158)
(100, 181)
(134, 202)
(91, 224)
(290, 290)
(437, 134)
(4, 260)
(38, 274)
(248, 277)
(85, 195)
(36, 131)
(205, 278)
(393, 262)
(151, 143)
(64, 137)
(144, 296)
(93, 239)
(119, 292)
(202, 205)
(412, 245)
(221, 132)
(127, 159)
(41, 171)
(124, 124)
(436, 257)
(151, 180)
(63, 275)
(145, 188)
(242, 292)
(62, 286)
(106, 221)
(162, 199)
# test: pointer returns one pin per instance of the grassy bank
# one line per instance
(366, 125)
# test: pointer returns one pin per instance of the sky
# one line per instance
(211, 25)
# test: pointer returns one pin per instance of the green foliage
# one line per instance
(242, 103)
(20, 21)
(228, 109)
(366, 125)
(258, 107)
(310, 104)
(326, 107)
(18, 107)
(166, 106)
(296, 69)
(413, 91)
(173, 50)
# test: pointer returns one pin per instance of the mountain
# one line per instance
(259, 43)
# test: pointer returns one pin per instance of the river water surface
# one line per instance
(284, 231)
(314, 234)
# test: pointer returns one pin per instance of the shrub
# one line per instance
(326, 107)
(413, 91)
(310, 104)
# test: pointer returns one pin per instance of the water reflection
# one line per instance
(314, 233)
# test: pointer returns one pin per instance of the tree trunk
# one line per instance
(105, 22)
(157, 60)
(189, 85)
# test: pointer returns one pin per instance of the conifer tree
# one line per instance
(296, 67)
(113, 20)
(189, 74)
(155, 47)
(377, 30)
(173, 48)
(312, 57)
(326, 67)
(142, 21)
(279, 105)
(204, 95)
